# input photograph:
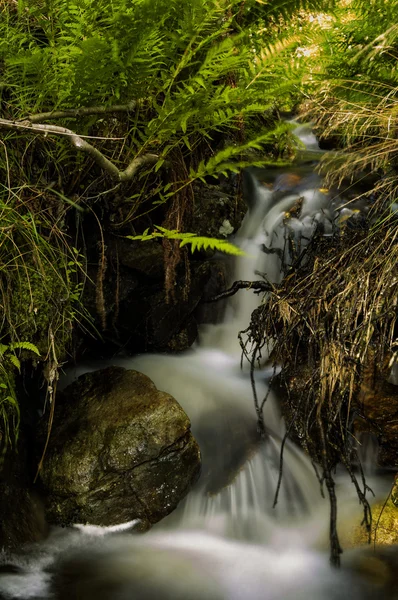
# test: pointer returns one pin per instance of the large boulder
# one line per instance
(119, 450)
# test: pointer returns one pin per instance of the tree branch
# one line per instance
(79, 112)
(80, 144)
(259, 286)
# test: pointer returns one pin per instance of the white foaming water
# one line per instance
(305, 134)
(225, 540)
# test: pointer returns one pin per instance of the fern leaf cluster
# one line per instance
(192, 77)
(190, 239)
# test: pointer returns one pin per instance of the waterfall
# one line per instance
(218, 397)
(226, 540)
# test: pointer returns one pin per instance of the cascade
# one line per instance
(226, 540)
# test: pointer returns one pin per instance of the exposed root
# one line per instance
(324, 324)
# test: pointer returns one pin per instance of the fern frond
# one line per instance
(194, 241)
(206, 243)
(14, 360)
(25, 346)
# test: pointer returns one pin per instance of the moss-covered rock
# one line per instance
(119, 450)
(384, 531)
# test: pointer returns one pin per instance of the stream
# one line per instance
(228, 539)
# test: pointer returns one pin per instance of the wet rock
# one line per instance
(150, 321)
(119, 450)
(215, 205)
(137, 313)
(144, 257)
(378, 401)
(220, 273)
(22, 518)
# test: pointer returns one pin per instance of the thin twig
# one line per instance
(258, 286)
(381, 512)
(52, 390)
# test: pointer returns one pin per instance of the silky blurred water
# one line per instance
(228, 539)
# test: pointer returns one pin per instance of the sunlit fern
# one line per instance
(190, 239)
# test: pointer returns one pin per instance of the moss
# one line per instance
(384, 530)
(38, 303)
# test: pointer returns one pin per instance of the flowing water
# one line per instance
(226, 540)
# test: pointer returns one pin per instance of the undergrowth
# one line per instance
(324, 324)
(39, 296)
(354, 96)
(116, 110)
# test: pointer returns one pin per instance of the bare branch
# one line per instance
(80, 144)
(80, 112)
(136, 164)
(257, 286)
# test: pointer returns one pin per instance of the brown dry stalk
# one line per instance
(324, 322)
(99, 288)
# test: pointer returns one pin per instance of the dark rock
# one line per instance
(184, 338)
(378, 402)
(22, 518)
(139, 316)
(119, 450)
(150, 321)
(213, 312)
(216, 204)
(145, 257)
(125, 294)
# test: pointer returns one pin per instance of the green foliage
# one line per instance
(355, 99)
(38, 293)
(192, 76)
(9, 407)
(198, 70)
(194, 241)
(37, 270)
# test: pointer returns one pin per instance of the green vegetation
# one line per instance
(112, 112)
(124, 105)
(196, 242)
(355, 101)
(9, 406)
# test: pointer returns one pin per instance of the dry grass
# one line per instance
(363, 115)
(338, 307)
(324, 324)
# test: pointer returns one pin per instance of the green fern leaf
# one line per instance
(196, 242)
(25, 346)
(15, 361)
(204, 243)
